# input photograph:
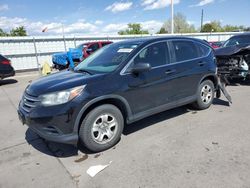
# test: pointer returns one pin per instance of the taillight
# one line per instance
(6, 62)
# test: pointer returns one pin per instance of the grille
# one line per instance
(29, 102)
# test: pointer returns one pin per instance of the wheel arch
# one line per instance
(118, 101)
(211, 77)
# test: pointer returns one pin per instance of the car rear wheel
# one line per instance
(101, 128)
(205, 95)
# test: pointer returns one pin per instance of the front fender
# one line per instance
(99, 99)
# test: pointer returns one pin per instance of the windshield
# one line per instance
(107, 59)
(237, 40)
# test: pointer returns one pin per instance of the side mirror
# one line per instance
(140, 67)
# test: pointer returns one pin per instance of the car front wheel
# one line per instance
(101, 128)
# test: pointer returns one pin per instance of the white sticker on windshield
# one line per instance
(125, 50)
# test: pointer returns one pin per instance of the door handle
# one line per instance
(170, 71)
(201, 63)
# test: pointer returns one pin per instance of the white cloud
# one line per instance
(98, 22)
(4, 7)
(157, 4)
(119, 6)
(190, 22)
(147, 2)
(80, 27)
(152, 26)
(207, 22)
(202, 3)
(114, 28)
(35, 28)
(9, 23)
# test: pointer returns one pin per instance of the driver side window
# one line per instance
(155, 54)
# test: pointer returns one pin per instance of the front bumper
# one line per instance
(48, 131)
(53, 123)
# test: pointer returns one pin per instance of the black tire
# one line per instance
(86, 133)
(201, 104)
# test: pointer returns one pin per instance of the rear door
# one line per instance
(190, 66)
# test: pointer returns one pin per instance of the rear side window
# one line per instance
(155, 54)
(184, 50)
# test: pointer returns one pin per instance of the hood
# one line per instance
(60, 81)
(232, 50)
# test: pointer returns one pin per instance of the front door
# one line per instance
(150, 89)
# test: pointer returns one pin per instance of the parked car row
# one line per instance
(6, 70)
(71, 58)
(216, 44)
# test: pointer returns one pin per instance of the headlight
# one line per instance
(61, 97)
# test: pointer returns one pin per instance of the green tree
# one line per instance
(214, 26)
(162, 31)
(230, 28)
(247, 29)
(181, 25)
(2, 33)
(133, 29)
(18, 31)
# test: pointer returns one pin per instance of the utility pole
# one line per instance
(64, 41)
(172, 17)
(201, 19)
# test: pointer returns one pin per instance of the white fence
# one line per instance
(31, 52)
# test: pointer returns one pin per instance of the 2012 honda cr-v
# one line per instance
(119, 84)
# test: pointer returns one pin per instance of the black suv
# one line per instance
(120, 83)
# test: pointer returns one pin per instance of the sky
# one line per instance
(107, 17)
